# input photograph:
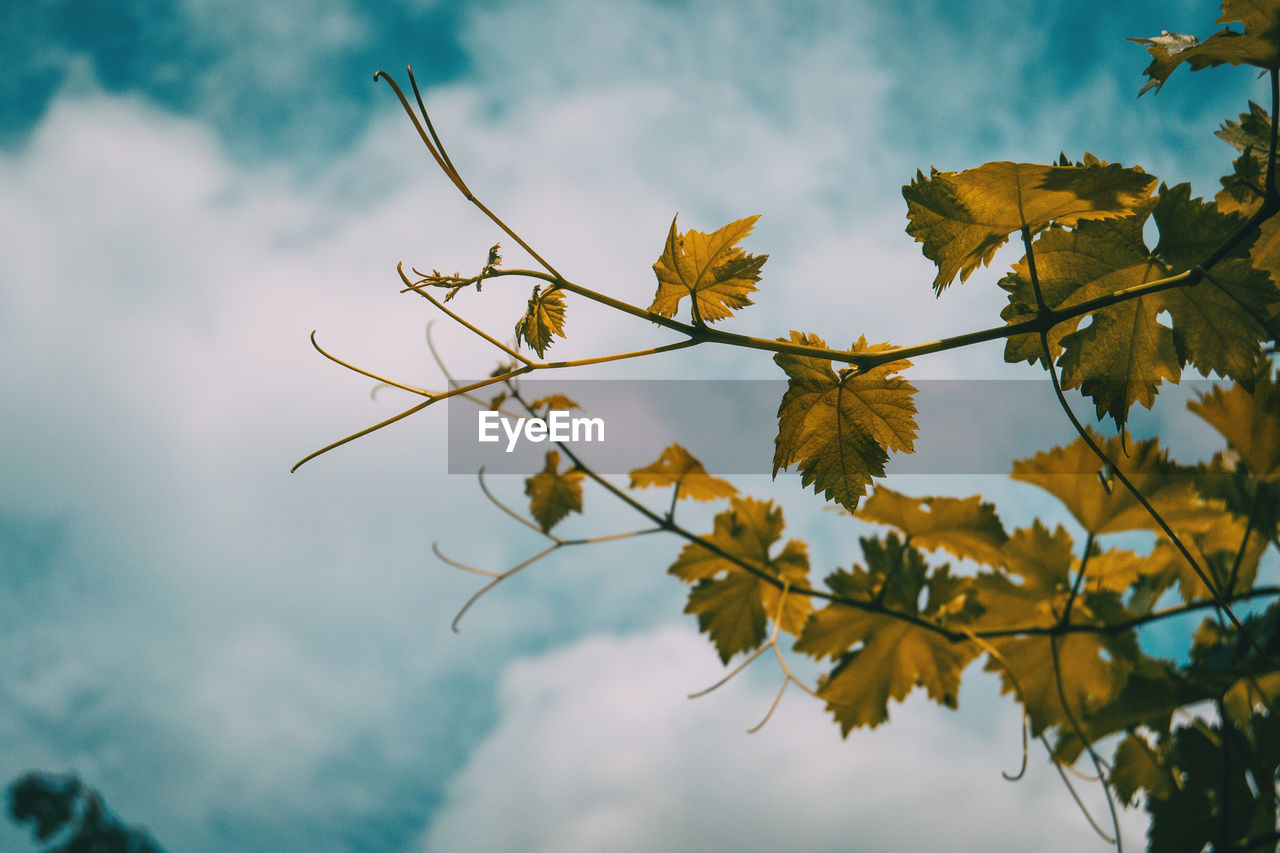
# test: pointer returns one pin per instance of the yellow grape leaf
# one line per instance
(895, 658)
(553, 495)
(676, 467)
(708, 268)
(1242, 190)
(1042, 559)
(1214, 321)
(1215, 550)
(1125, 352)
(965, 527)
(1258, 45)
(1250, 422)
(554, 403)
(880, 657)
(543, 318)
(962, 218)
(1091, 670)
(1071, 475)
(733, 605)
(839, 428)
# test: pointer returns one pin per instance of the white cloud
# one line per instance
(216, 638)
(597, 748)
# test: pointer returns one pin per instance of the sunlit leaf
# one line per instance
(1213, 322)
(1071, 474)
(710, 269)
(732, 604)
(880, 657)
(1250, 422)
(553, 495)
(962, 218)
(543, 318)
(1258, 45)
(676, 467)
(965, 527)
(839, 428)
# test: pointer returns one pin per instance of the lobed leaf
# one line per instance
(1249, 421)
(543, 318)
(1213, 322)
(733, 605)
(1071, 474)
(1258, 45)
(710, 269)
(839, 429)
(553, 495)
(965, 527)
(962, 218)
(878, 656)
(677, 467)
(1090, 670)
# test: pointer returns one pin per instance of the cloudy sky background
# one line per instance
(245, 659)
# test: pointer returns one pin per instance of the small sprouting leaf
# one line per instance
(708, 268)
(543, 318)
(494, 259)
(1250, 422)
(962, 218)
(965, 527)
(1070, 473)
(734, 605)
(1258, 45)
(553, 495)
(676, 467)
(839, 429)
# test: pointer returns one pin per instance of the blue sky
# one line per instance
(244, 659)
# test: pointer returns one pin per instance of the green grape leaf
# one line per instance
(1258, 45)
(1071, 474)
(543, 318)
(733, 605)
(708, 268)
(964, 527)
(1137, 767)
(1193, 815)
(676, 467)
(839, 428)
(962, 218)
(1153, 690)
(553, 495)
(1213, 322)
(1250, 422)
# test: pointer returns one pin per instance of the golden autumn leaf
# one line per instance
(710, 269)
